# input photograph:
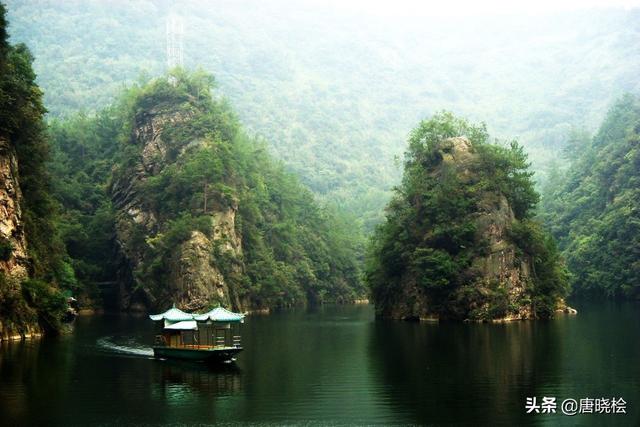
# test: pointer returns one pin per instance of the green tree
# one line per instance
(293, 249)
(22, 125)
(430, 234)
(594, 209)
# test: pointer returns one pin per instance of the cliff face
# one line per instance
(13, 262)
(200, 212)
(502, 264)
(459, 241)
(33, 262)
(497, 266)
(195, 278)
(11, 231)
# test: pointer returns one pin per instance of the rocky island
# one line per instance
(165, 199)
(202, 216)
(459, 241)
(187, 272)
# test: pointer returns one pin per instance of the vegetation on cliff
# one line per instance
(594, 208)
(336, 93)
(184, 165)
(31, 282)
(459, 240)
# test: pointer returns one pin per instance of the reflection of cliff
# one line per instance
(31, 373)
(311, 364)
(473, 374)
(16, 360)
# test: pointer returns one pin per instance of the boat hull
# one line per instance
(224, 354)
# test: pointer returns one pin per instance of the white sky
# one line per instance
(416, 8)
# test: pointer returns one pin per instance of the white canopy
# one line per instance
(186, 325)
(220, 314)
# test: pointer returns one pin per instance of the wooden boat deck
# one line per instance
(200, 347)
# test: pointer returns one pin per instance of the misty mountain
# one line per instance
(334, 92)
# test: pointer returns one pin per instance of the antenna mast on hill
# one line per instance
(175, 32)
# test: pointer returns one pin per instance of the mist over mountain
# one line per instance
(307, 174)
(336, 91)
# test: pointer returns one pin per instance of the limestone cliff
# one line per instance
(194, 279)
(14, 260)
(13, 256)
(189, 208)
(453, 246)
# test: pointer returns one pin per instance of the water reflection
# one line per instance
(28, 370)
(177, 380)
(305, 365)
(332, 365)
(468, 373)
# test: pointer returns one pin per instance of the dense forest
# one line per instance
(33, 264)
(593, 208)
(60, 223)
(334, 93)
(319, 212)
(133, 178)
(459, 240)
(292, 251)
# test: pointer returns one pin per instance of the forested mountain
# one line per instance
(164, 194)
(33, 265)
(594, 208)
(335, 92)
(459, 240)
(154, 183)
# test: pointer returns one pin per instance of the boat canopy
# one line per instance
(173, 315)
(220, 314)
(185, 325)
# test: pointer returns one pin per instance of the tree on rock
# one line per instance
(459, 241)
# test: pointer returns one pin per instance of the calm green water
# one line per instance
(333, 365)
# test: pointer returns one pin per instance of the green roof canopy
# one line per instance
(173, 315)
(220, 314)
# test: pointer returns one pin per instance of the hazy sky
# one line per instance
(470, 7)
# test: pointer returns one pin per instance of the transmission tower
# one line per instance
(175, 32)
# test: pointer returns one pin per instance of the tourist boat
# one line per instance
(209, 337)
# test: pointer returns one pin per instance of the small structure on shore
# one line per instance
(212, 336)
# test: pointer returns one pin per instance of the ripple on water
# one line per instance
(129, 347)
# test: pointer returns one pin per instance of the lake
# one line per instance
(331, 365)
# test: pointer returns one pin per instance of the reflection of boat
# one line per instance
(175, 376)
(213, 336)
